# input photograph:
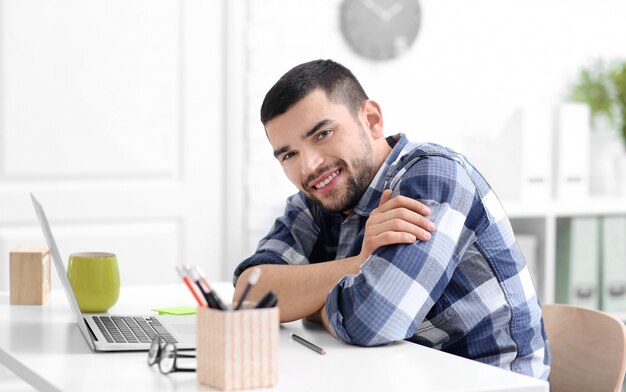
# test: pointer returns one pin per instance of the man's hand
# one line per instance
(398, 220)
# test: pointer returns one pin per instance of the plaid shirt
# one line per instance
(467, 291)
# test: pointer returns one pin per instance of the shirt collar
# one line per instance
(371, 197)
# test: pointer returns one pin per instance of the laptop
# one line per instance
(107, 332)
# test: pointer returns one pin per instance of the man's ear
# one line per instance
(373, 117)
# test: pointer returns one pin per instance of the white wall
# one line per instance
(111, 113)
(474, 65)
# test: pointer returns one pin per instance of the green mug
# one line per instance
(95, 280)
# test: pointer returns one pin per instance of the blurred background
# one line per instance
(135, 122)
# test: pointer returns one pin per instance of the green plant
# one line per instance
(602, 86)
(618, 77)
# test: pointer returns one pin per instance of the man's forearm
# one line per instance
(301, 289)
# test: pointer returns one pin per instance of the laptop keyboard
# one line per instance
(117, 329)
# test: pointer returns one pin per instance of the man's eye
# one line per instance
(288, 155)
(323, 134)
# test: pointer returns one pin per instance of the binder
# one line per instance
(523, 146)
(488, 152)
(613, 251)
(572, 145)
(536, 152)
(577, 261)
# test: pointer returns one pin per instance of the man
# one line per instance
(354, 251)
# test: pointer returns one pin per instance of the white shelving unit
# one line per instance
(539, 218)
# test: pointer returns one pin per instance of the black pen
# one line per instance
(269, 300)
(310, 345)
(211, 295)
(183, 274)
(193, 275)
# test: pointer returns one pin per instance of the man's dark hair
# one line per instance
(334, 79)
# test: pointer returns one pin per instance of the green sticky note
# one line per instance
(176, 310)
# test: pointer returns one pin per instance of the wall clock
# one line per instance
(380, 29)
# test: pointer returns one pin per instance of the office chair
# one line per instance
(588, 349)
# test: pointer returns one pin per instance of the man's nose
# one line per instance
(311, 161)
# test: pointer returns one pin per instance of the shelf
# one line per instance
(540, 218)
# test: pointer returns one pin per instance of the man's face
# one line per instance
(324, 151)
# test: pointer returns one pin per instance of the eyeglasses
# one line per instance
(166, 354)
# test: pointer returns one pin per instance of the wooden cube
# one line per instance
(30, 275)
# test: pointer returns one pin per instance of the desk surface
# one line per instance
(43, 345)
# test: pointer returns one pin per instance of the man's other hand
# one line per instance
(398, 220)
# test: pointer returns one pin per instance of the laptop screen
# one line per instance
(58, 264)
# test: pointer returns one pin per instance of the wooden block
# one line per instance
(30, 275)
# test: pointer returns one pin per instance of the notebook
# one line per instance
(107, 332)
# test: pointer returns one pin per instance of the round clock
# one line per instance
(380, 29)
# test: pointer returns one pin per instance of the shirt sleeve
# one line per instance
(289, 241)
(398, 284)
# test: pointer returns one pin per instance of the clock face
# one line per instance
(380, 29)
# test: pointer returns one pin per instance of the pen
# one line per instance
(211, 295)
(310, 345)
(193, 275)
(254, 277)
(181, 272)
(269, 300)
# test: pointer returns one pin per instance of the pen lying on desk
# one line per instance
(310, 345)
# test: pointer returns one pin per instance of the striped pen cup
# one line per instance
(238, 349)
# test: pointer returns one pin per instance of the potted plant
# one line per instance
(602, 87)
(618, 78)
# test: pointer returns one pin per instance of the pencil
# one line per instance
(189, 285)
(310, 345)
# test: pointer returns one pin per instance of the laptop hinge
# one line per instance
(93, 335)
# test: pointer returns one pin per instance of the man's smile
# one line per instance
(321, 183)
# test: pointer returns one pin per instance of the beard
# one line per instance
(357, 181)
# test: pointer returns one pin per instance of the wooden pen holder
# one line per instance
(238, 349)
(30, 275)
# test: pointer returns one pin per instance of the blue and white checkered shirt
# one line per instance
(467, 291)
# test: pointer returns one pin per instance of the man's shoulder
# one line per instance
(428, 149)
(435, 161)
(427, 155)
(406, 153)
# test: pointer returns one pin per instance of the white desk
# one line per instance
(43, 345)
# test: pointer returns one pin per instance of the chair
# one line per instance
(588, 349)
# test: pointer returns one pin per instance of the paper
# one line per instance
(176, 310)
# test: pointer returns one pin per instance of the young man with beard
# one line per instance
(354, 250)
